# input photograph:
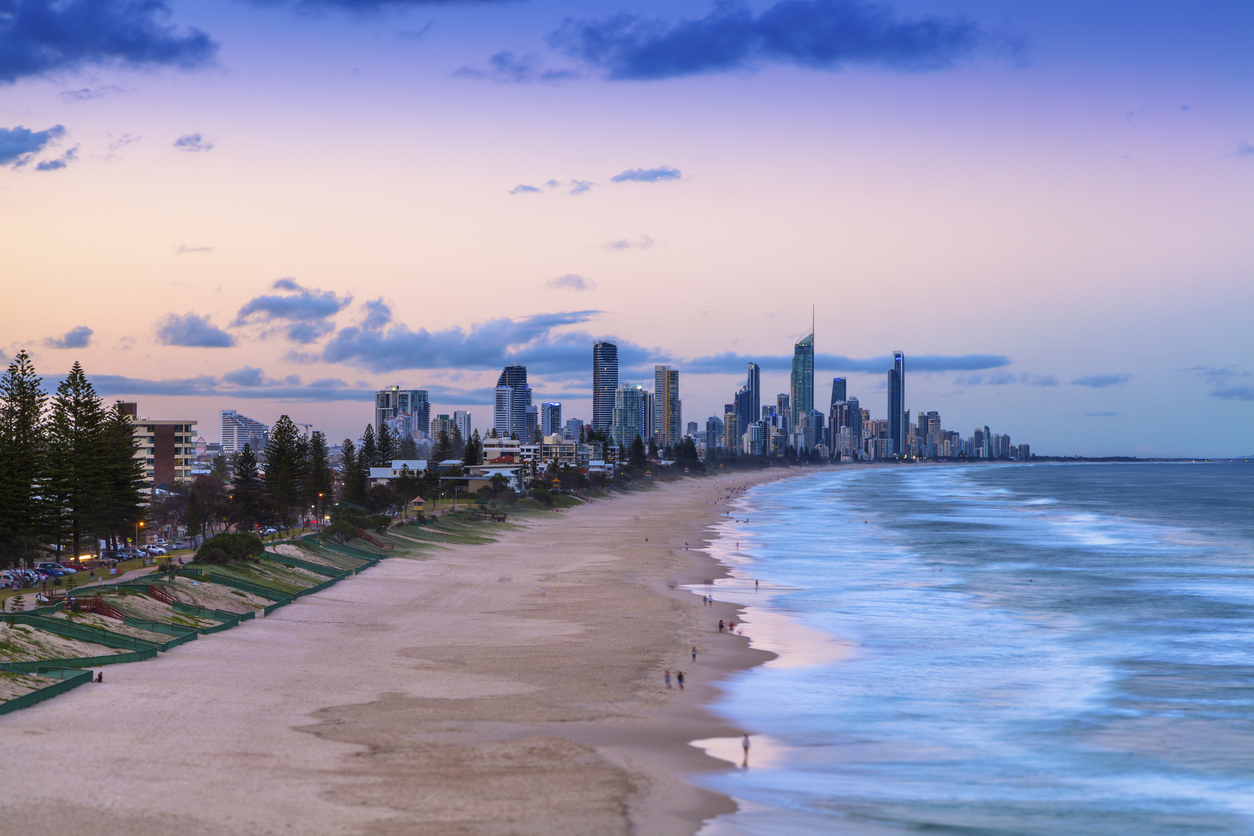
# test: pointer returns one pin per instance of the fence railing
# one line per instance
(67, 679)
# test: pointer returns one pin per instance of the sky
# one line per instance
(279, 206)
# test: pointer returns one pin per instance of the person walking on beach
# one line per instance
(694, 654)
(679, 677)
(745, 744)
(667, 679)
(720, 625)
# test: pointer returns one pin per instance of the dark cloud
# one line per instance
(523, 189)
(580, 186)
(647, 175)
(1233, 393)
(1223, 382)
(60, 162)
(378, 314)
(193, 143)
(306, 312)
(38, 37)
(193, 331)
(78, 337)
(729, 362)
(415, 34)
(572, 281)
(816, 34)
(373, 6)
(532, 340)
(238, 384)
(1102, 381)
(1003, 379)
(86, 94)
(505, 67)
(18, 145)
(641, 243)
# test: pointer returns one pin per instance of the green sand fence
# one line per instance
(67, 679)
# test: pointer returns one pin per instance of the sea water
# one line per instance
(1020, 649)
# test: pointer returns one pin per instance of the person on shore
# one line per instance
(745, 744)
(721, 626)
(679, 677)
(694, 654)
(667, 678)
(755, 586)
(731, 626)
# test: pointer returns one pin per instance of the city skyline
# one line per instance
(1045, 208)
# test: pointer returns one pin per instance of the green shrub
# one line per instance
(229, 548)
(543, 497)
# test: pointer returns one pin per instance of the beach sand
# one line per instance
(510, 688)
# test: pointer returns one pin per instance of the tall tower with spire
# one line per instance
(801, 389)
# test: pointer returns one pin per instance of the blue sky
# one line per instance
(278, 207)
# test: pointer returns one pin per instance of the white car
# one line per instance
(154, 550)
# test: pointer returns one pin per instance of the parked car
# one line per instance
(55, 568)
(270, 531)
(128, 554)
(154, 550)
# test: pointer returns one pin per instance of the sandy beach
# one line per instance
(509, 688)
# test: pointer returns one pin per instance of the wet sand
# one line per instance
(510, 688)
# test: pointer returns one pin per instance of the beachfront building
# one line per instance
(667, 411)
(411, 406)
(604, 384)
(897, 418)
(461, 420)
(501, 449)
(513, 398)
(626, 424)
(238, 430)
(166, 447)
(801, 386)
(550, 418)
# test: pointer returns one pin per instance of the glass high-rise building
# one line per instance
(625, 421)
(754, 385)
(801, 389)
(513, 397)
(604, 384)
(838, 390)
(897, 420)
(394, 402)
(551, 418)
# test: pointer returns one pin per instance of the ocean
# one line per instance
(1058, 649)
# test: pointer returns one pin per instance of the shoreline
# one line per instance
(482, 688)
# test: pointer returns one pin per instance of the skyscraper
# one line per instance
(801, 389)
(838, 390)
(784, 411)
(853, 419)
(666, 410)
(713, 433)
(754, 385)
(625, 419)
(238, 430)
(461, 419)
(897, 403)
(551, 419)
(513, 396)
(604, 384)
(743, 407)
(394, 402)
